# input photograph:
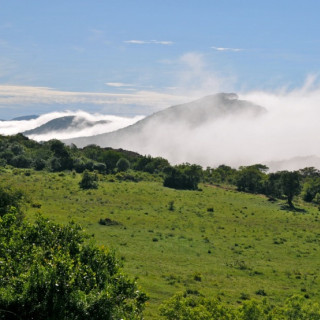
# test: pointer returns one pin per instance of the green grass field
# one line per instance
(218, 241)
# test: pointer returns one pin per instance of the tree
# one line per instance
(184, 176)
(123, 164)
(250, 179)
(52, 271)
(272, 186)
(61, 152)
(21, 161)
(151, 165)
(17, 148)
(309, 172)
(39, 164)
(223, 174)
(100, 167)
(55, 164)
(89, 180)
(79, 165)
(310, 188)
(290, 183)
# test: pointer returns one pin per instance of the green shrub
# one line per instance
(192, 305)
(89, 180)
(53, 272)
(123, 164)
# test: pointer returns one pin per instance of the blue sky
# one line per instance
(135, 57)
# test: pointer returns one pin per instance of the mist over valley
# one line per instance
(278, 129)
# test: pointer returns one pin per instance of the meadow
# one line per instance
(218, 241)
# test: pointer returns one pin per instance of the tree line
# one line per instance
(22, 152)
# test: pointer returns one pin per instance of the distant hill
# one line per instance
(30, 117)
(64, 123)
(191, 116)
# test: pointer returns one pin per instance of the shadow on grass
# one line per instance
(292, 208)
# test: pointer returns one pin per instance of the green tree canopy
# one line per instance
(89, 180)
(250, 179)
(123, 164)
(50, 271)
(290, 182)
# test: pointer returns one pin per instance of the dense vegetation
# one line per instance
(233, 255)
(50, 271)
(21, 152)
(194, 306)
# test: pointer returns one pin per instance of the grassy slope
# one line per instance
(246, 244)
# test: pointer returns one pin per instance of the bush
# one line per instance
(108, 222)
(89, 180)
(192, 305)
(21, 161)
(123, 164)
(52, 272)
(39, 164)
(11, 201)
(79, 165)
(100, 167)
(127, 176)
(55, 164)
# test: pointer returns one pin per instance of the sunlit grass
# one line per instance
(217, 241)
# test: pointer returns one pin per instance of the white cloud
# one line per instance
(114, 123)
(26, 95)
(227, 49)
(119, 84)
(190, 79)
(166, 43)
(195, 79)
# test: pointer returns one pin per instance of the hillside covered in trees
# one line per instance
(54, 156)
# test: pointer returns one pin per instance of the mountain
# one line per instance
(30, 117)
(70, 123)
(189, 116)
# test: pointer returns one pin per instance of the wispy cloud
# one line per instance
(227, 49)
(127, 86)
(119, 84)
(196, 79)
(26, 95)
(165, 43)
(190, 79)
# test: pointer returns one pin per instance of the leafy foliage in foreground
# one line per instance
(195, 306)
(49, 271)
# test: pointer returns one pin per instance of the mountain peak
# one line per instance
(222, 95)
(184, 117)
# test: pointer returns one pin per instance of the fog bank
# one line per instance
(286, 136)
(112, 123)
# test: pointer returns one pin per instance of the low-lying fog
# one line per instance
(113, 123)
(290, 128)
